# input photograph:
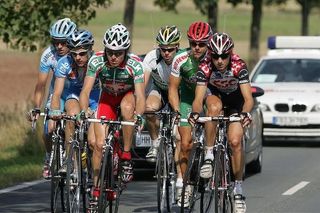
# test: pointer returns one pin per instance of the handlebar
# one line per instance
(215, 118)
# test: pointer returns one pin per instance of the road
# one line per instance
(289, 183)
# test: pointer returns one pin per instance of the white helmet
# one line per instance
(117, 37)
(62, 28)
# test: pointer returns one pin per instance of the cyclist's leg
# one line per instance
(127, 106)
(213, 108)
(179, 182)
(153, 103)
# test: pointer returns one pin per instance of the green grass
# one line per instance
(21, 152)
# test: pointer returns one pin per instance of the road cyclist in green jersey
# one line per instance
(121, 76)
(183, 79)
(59, 32)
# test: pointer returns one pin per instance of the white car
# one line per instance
(290, 77)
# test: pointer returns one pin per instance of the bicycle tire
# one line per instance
(73, 181)
(192, 177)
(207, 195)
(219, 192)
(57, 184)
(163, 193)
(102, 182)
(87, 180)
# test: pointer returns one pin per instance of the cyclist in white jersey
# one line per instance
(158, 64)
(59, 32)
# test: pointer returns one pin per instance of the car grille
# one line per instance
(294, 107)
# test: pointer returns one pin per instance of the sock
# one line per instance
(237, 187)
(126, 155)
(179, 183)
(209, 153)
(155, 142)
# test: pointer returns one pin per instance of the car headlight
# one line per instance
(316, 108)
(264, 107)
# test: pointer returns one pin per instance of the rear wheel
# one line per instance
(219, 192)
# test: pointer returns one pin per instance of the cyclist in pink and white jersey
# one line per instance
(223, 78)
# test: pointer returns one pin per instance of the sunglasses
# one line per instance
(115, 53)
(57, 42)
(199, 44)
(75, 54)
(167, 49)
(222, 56)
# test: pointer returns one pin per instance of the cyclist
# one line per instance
(121, 76)
(183, 75)
(223, 76)
(70, 73)
(59, 32)
(158, 65)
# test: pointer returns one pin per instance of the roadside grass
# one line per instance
(21, 151)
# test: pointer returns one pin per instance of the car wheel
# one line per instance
(256, 165)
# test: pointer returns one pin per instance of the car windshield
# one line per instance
(287, 70)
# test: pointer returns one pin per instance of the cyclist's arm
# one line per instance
(173, 92)
(199, 97)
(247, 96)
(146, 77)
(85, 92)
(40, 89)
(57, 91)
(140, 97)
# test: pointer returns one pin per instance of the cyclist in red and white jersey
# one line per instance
(223, 76)
(59, 31)
(121, 76)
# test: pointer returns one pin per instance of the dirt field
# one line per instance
(18, 74)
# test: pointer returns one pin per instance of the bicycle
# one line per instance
(220, 184)
(56, 160)
(192, 175)
(79, 171)
(165, 171)
(109, 179)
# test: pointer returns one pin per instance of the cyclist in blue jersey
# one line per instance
(59, 32)
(70, 73)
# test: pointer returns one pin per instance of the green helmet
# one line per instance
(168, 35)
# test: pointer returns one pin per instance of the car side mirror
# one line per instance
(257, 91)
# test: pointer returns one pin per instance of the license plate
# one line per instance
(143, 140)
(290, 121)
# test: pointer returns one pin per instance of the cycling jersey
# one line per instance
(74, 79)
(225, 85)
(159, 70)
(185, 66)
(117, 81)
(48, 61)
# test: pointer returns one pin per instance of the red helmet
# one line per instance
(221, 43)
(199, 31)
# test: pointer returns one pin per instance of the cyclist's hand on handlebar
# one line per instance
(55, 114)
(193, 117)
(176, 117)
(246, 118)
(140, 121)
(80, 117)
(33, 114)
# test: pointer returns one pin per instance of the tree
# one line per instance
(256, 18)
(306, 6)
(25, 23)
(128, 17)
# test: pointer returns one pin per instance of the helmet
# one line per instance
(80, 38)
(168, 35)
(117, 37)
(221, 43)
(62, 28)
(199, 31)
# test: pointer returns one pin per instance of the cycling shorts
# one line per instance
(93, 98)
(161, 94)
(233, 101)
(186, 99)
(108, 105)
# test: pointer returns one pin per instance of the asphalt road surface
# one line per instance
(289, 183)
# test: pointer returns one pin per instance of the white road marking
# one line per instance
(21, 186)
(296, 188)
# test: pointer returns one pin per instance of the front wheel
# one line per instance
(73, 185)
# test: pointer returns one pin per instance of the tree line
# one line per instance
(24, 23)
